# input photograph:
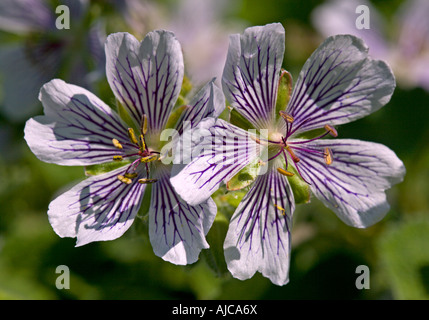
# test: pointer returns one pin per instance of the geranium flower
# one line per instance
(78, 129)
(339, 83)
(405, 47)
(39, 51)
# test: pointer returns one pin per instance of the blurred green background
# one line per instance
(325, 252)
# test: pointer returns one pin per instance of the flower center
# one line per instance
(288, 147)
(143, 155)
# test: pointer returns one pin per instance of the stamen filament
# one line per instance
(309, 140)
(315, 151)
(275, 156)
(149, 158)
(130, 175)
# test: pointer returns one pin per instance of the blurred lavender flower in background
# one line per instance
(33, 50)
(406, 50)
(199, 26)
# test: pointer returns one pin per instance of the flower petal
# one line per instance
(258, 237)
(77, 128)
(339, 83)
(146, 77)
(224, 151)
(354, 184)
(177, 230)
(251, 73)
(98, 208)
(208, 102)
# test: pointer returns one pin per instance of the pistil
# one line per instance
(299, 145)
(144, 155)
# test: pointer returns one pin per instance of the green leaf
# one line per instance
(405, 258)
(244, 177)
(284, 91)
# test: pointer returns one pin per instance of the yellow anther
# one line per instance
(328, 156)
(116, 144)
(130, 175)
(283, 211)
(117, 158)
(150, 158)
(132, 135)
(255, 139)
(286, 116)
(285, 173)
(144, 181)
(331, 130)
(142, 143)
(124, 179)
(144, 124)
(293, 156)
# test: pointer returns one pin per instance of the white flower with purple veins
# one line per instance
(78, 129)
(339, 83)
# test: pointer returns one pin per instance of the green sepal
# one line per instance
(227, 203)
(97, 169)
(145, 204)
(311, 134)
(174, 117)
(300, 189)
(284, 91)
(184, 91)
(125, 116)
(244, 177)
(186, 86)
(238, 120)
